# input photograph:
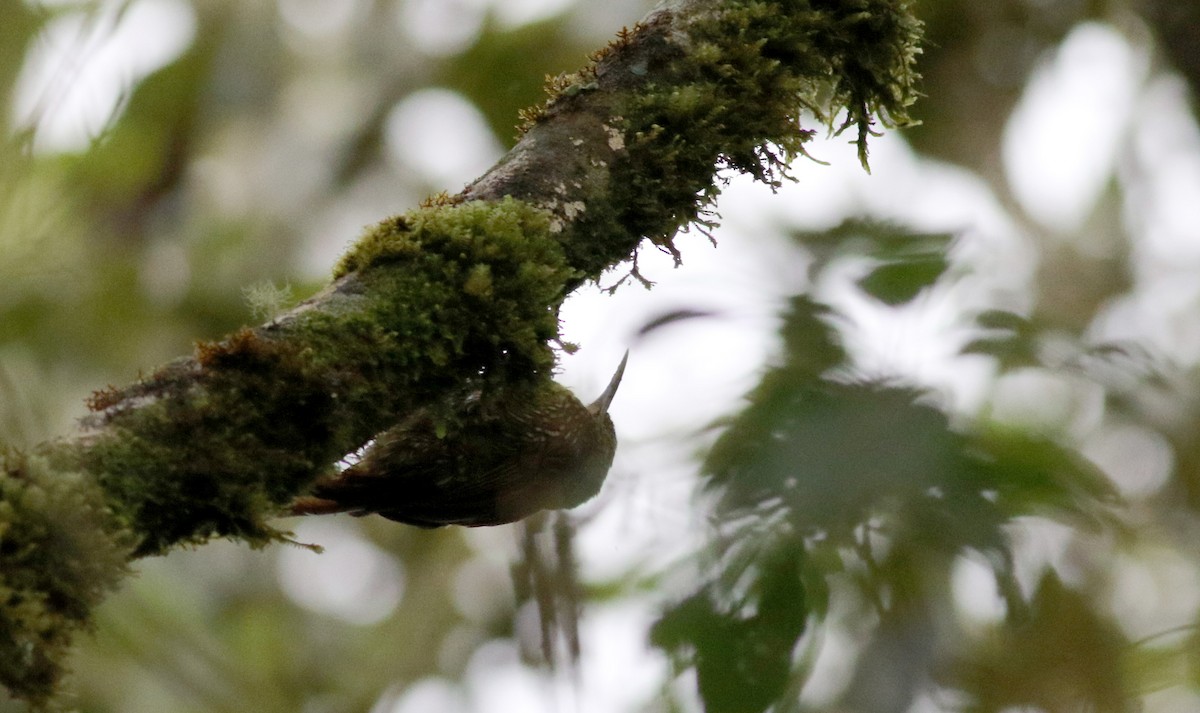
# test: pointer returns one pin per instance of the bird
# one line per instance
(538, 448)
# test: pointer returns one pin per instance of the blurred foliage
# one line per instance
(847, 514)
(905, 263)
(528, 54)
(821, 479)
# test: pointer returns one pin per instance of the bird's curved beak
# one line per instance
(600, 405)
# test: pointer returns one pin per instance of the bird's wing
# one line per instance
(412, 475)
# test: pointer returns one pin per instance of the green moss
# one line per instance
(217, 450)
(456, 297)
(448, 299)
(479, 281)
(61, 551)
(738, 101)
(735, 98)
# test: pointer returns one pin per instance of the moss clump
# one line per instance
(733, 96)
(736, 100)
(478, 282)
(217, 449)
(61, 551)
(448, 299)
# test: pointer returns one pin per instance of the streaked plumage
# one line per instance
(541, 449)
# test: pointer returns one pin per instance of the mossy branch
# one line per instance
(460, 295)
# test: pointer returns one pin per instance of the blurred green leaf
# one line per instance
(1032, 475)
(1004, 320)
(1012, 338)
(910, 261)
(143, 155)
(898, 282)
(870, 472)
(505, 70)
(739, 632)
(1066, 656)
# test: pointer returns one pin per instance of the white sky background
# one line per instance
(1087, 113)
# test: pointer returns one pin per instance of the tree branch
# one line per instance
(458, 296)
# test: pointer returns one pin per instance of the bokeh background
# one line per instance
(174, 169)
